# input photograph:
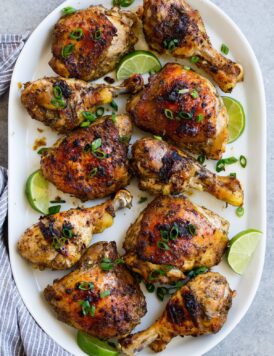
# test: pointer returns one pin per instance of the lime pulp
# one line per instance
(236, 115)
(37, 192)
(93, 346)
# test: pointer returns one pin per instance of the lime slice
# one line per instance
(236, 124)
(241, 249)
(37, 192)
(138, 62)
(94, 347)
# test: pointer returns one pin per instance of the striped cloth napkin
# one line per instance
(19, 333)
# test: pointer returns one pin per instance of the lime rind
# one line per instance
(241, 249)
(137, 62)
(93, 346)
(37, 192)
(237, 120)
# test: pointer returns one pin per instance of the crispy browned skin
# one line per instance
(107, 36)
(166, 21)
(58, 241)
(115, 314)
(205, 246)
(163, 168)
(77, 97)
(200, 307)
(148, 110)
(75, 169)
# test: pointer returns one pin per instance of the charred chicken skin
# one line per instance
(58, 241)
(90, 42)
(174, 26)
(200, 307)
(163, 168)
(103, 303)
(185, 107)
(91, 163)
(63, 104)
(172, 236)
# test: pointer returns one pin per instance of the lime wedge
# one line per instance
(37, 192)
(236, 124)
(94, 347)
(138, 62)
(241, 249)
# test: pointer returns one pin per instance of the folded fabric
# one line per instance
(19, 333)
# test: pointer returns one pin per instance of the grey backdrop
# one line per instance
(255, 333)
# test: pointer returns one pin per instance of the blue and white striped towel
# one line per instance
(19, 333)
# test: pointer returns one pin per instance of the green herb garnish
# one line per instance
(68, 10)
(86, 286)
(243, 161)
(54, 209)
(142, 200)
(168, 114)
(76, 34)
(191, 229)
(224, 49)
(67, 50)
(240, 212)
(104, 294)
(194, 59)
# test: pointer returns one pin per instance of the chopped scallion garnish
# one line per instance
(104, 294)
(86, 286)
(200, 118)
(224, 49)
(194, 59)
(67, 50)
(100, 111)
(243, 161)
(240, 212)
(191, 229)
(68, 10)
(54, 209)
(169, 114)
(76, 34)
(201, 159)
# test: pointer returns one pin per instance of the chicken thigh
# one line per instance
(163, 168)
(172, 236)
(200, 307)
(58, 241)
(185, 107)
(104, 302)
(91, 162)
(63, 104)
(174, 26)
(89, 43)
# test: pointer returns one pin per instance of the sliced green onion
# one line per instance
(86, 286)
(191, 229)
(89, 116)
(67, 50)
(113, 117)
(164, 235)
(100, 111)
(104, 294)
(243, 161)
(58, 242)
(240, 212)
(106, 264)
(196, 271)
(66, 232)
(183, 91)
(100, 154)
(201, 159)
(174, 232)
(169, 114)
(224, 49)
(161, 293)
(230, 160)
(98, 34)
(159, 138)
(85, 124)
(234, 175)
(142, 200)
(124, 139)
(185, 115)
(68, 10)
(119, 261)
(57, 92)
(162, 245)
(200, 118)
(123, 3)
(58, 103)
(42, 150)
(96, 144)
(60, 201)
(220, 166)
(187, 68)
(194, 59)
(150, 287)
(172, 44)
(93, 172)
(155, 274)
(54, 209)
(114, 105)
(76, 34)
(194, 94)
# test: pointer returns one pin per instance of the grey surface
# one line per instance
(255, 333)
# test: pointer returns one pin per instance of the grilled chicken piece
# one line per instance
(63, 104)
(174, 26)
(185, 107)
(199, 307)
(90, 42)
(163, 168)
(58, 241)
(91, 163)
(172, 236)
(104, 304)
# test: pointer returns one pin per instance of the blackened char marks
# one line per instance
(175, 313)
(191, 305)
(169, 161)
